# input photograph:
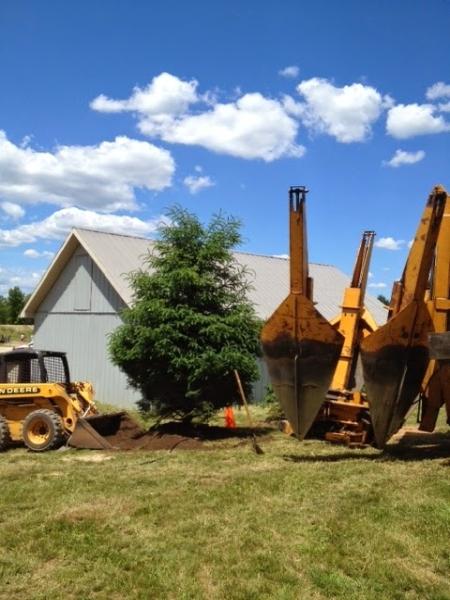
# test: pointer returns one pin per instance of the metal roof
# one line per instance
(117, 255)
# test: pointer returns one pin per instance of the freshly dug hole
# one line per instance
(128, 435)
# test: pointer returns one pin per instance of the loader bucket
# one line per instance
(301, 350)
(300, 347)
(101, 432)
(395, 358)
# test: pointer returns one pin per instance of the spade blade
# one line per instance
(394, 360)
(301, 350)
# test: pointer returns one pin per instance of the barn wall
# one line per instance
(76, 317)
(259, 389)
(81, 288)
(84, 338)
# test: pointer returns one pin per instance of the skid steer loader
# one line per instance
(42, 408)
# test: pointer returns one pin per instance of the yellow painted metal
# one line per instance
(300, 346)
(19, 400)
(345, 411)
(351, 323)
(43, 413)
(395, 357)
(436, 383)
(39, 432)
(369, 323)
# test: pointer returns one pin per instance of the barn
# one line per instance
(79, 299)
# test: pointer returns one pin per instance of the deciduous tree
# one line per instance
(16, 301)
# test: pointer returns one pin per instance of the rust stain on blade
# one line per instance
(394, 363)
(396, 356)
(301, 350)
(300, 347)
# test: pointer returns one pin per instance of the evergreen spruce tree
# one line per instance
(191, 323)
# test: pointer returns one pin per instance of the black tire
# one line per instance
(43, 430)
(5, 437)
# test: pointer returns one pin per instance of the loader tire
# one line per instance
(5, 437)
(43, 430)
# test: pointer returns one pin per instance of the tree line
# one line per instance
(11, 306)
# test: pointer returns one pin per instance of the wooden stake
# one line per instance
(257, 448)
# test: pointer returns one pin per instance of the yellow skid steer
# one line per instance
(42, 408)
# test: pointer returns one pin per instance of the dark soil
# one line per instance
(176, 436)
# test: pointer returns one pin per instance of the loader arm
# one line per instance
(395, 357)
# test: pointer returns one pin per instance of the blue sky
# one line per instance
(112, 111)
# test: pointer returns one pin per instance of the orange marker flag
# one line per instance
(230, 423)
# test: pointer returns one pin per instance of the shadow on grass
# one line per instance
(208, 432)
(412, 446)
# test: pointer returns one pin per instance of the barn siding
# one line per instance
(259, 388)
(76, 317)
(84, 338)
(81, 278)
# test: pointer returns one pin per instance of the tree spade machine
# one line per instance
(395, 357)
(312, 364)
(41, 407)
(344, 416)
(436, 384)
(300, 347)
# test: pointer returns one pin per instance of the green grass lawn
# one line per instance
(303, 521)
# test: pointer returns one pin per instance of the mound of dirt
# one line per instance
(174, 435)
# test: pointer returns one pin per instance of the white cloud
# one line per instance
(438, 90)
(444, 107)
(389, 243)
(280, 255)
(291, 72)
(377, 285)
(58, 225)
(165, 95)
(408, 120)
(102, 177)
(346, 113)
(26, 141)
(401, 157)
(251, 127)
(14, 211)
(195, 184)
(296, 109)
(32, 253)
(23, 278)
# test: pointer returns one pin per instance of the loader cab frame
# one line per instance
(27, 365)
